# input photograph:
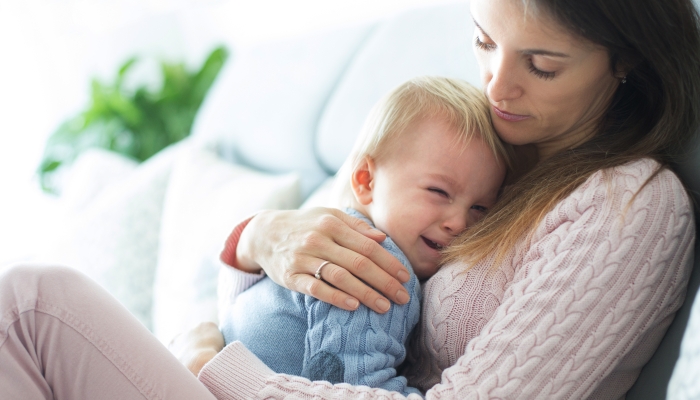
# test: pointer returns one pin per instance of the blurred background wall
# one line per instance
(50, 49)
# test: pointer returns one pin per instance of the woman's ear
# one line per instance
(621, 69)
(362, 180)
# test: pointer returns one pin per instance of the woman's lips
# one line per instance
(508, 116)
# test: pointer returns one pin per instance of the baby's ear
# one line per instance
(361, 181)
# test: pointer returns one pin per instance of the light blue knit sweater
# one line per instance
(298, 335)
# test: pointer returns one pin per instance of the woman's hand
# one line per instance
(291, 245)
(198, 346)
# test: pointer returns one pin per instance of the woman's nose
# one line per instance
(501, 83)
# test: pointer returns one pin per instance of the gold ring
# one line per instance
(318, 271)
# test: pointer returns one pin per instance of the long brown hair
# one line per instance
(654, 114)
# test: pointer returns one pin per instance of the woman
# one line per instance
(563, 291)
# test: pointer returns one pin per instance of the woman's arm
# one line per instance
(290, 246)
(253, 379)
(589, 303)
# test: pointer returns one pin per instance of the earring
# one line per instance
(624, 79)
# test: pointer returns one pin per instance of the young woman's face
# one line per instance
(546, 87)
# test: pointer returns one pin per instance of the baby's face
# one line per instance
(429, 189)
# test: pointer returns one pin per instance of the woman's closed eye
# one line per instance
(546, 75)
(483, 46)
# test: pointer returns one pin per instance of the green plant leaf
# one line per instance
(123, 71)
(205, 77)
(138, 123)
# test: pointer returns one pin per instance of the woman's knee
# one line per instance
(27, 281)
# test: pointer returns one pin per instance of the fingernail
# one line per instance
(403, 276)
(376, 231)
(383, 304)
(352, 303)
(402, 296)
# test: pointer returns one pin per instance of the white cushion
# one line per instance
(94, 170)
(114, 239)
(206, 198)
(430, 41)
(264, 108)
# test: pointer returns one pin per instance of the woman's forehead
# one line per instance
(522, 22)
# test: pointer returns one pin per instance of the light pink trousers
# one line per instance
(63, 337)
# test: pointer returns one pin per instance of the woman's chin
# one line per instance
(513, 133)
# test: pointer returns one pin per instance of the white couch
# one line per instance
(290, 111)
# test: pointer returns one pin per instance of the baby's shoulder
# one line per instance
(387, 244)
(413, 286)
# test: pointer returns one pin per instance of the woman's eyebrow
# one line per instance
(539, 52)
(529, 52)
(480, 28)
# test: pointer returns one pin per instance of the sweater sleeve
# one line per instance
(592, 296)
(360, 347)
(596, 286)
(232, 281)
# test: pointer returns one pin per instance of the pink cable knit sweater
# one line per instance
(575, 312)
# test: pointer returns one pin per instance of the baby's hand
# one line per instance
(197, 346)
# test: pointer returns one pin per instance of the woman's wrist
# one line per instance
(238, 250)
(246, 250)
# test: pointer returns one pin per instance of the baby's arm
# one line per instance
(361, 347)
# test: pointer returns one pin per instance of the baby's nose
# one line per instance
(456, 222)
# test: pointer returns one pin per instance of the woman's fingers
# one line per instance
(363, 258)
(321, 290)
(368, 246)
(358, 264)
(339, 287)
(343, 283)
(291, 245)
(353, 272)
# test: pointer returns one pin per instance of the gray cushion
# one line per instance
(430, 41)
(653, 380)
(263, 110)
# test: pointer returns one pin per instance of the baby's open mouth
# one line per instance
(432, 244)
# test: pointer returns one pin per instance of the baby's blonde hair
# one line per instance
(451, 100)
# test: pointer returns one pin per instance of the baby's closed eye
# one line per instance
(439, 191)
(479, 208)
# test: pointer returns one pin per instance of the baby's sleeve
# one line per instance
(360, 347)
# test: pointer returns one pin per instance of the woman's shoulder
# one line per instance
(637, 173)
(638, 199)
(643, 181)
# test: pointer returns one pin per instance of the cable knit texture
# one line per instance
(574, 312)
(297, 334)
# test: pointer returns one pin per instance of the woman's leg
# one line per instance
(64, 337)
